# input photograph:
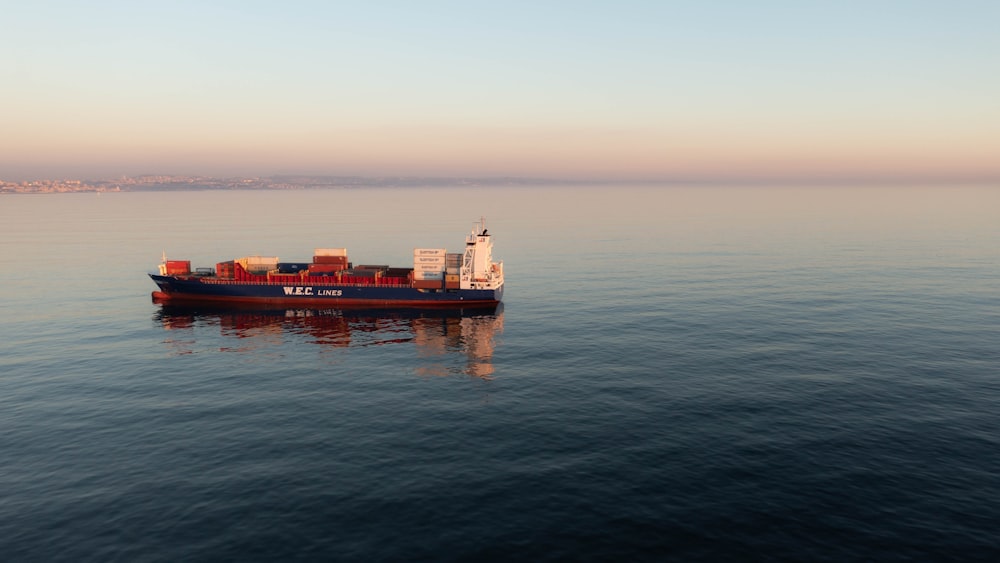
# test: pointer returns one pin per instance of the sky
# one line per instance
(678, 91)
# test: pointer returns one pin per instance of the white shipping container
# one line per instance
(258, 259)
(428, 260)
(428, 275)
(429, 252)
(330, 252)
(271, 261)
(428, 267)
(258, 264)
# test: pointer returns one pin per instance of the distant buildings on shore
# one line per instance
(180, 183)
(137, 183)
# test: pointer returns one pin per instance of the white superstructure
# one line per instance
(479, 271)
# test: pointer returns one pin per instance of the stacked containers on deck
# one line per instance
(328, 261)
(453, 264)
(370, 273)
(324, 255)
(360, 276)
(399, 272)
(396, 276)
(428, 267)
(292, 267)
(225, 269)
(258, 265)
(324, 269)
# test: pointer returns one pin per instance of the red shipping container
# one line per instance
(325, 268)
(177, 267)
(330, 260)
(224, 269)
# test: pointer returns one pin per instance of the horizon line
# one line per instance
(894, 180)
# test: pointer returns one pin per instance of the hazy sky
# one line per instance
(678, 90)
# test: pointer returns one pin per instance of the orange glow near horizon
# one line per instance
(547, 152)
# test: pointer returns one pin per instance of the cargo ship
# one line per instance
(436, 278)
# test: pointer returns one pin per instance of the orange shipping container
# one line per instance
(177, 267)
(225, 269)
(427, 284)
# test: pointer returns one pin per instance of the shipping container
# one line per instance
(428, 275)
(292, 267)
(330, 252)
(225, 269)
(371, 267)
(429, 260)
(429, 252)
(258, 264)
(325, 268)
(255, 260)
(330, 260)
(361, 273)
(177, 267)
(428, 267)
(427, 284)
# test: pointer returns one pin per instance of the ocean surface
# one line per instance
(691, 374)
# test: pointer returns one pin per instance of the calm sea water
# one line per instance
(676, 373)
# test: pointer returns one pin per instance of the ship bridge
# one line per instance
(479, 271)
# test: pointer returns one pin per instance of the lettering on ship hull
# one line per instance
(300, 290)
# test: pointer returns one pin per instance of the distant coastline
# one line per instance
(162, 183)
(169, 183)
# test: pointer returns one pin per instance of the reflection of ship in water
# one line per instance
(436, 333)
